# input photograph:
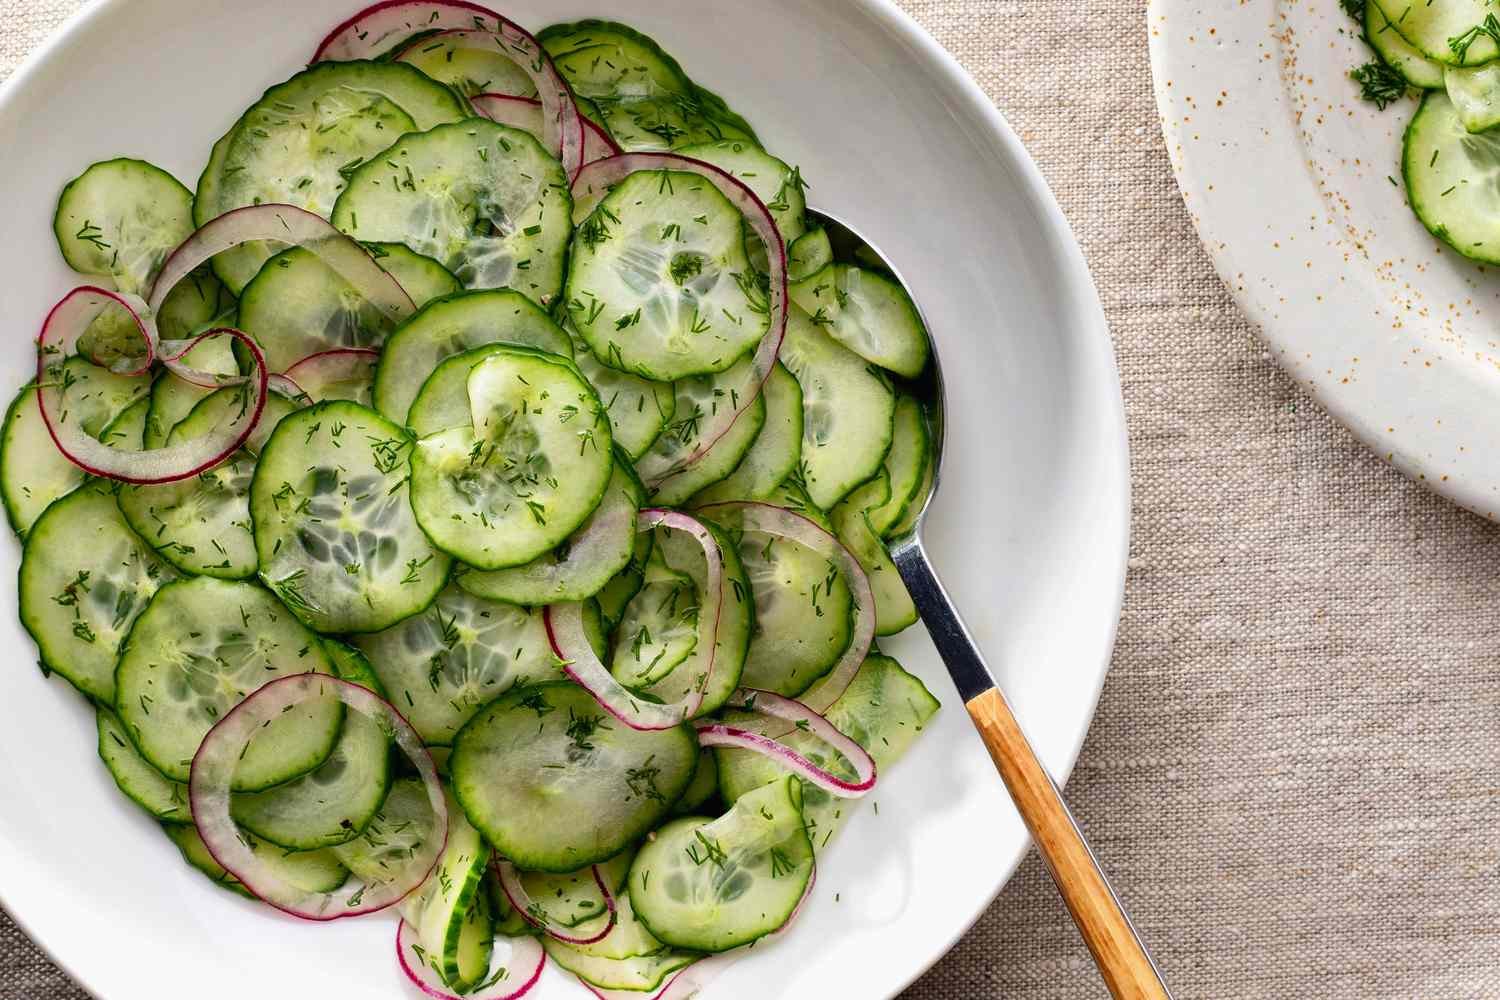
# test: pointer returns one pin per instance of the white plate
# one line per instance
(1030, 528)
(1295, 187)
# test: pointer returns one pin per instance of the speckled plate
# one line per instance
(1295, 186)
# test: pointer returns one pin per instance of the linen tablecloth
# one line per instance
(1293, 772)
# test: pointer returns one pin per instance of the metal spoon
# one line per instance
(1117, 948)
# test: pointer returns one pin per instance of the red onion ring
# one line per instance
(364, 35)
(507, 109)
(285, 224)
(532, 960)
(316, 371)
(219, 754)
(773, 520)
(597, 177)
(725, 734)
(61, 331)
(571, 643)
(520, 899)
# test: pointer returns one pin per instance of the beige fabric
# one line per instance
(1293, 772)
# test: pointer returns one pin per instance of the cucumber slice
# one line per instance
(153, 791)
(33, 473)
(641, 974)
(202, 525)
(583, 564)
(200, 648)
(351, 379)
(442, 665)
(624, 585)
(334, 528)
(450, 326)
(554, 784)
(684, 554)
(296, 306)
(85, 577)
(659, 284)
(867, 313)
(884, 709)
(423, 278)
(443, 402)
(894, 610)
(1448, 32)
(1475, 94)
(300, 142)
(121, 218)
(572, 899)
(127, 432)
(467, 68)
(449, 913)
(847, 411)
(808, 254)
(904, 467)
(609, 59)
(195, 302)
(334, 803)
(638, 408)
(667, 123)
(1450, 178)
(775, 452)
(404, 822)
(712, 885)
(1387, 42)
(716, 464)
(314, 871)
(704, 786)
(658, 628)
(484, 200)
(530, 470)
(779, 186)
(908, 519)
(94, 396)
(695, 400)
(172, 398)
(628, 939)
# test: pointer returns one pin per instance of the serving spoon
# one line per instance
(1117, 947)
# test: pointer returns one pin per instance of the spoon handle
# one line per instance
(1117, 948)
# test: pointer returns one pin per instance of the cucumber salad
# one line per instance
(1448, 51)
(470, 503)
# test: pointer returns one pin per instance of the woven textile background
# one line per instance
(1293, 773)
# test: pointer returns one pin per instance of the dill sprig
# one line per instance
(1489, 27)
(1380, 83)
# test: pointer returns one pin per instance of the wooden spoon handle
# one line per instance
(1121, 956)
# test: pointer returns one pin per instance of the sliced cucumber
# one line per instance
(1475, 94)
(847, 411)
(403, 823)
(1451, 178)
(449, 913)
(423, 278)
(200, 648)
(659, 283)
(85, 577)
(641, 974)
(583, 564)
(775, 452)
(127, 431)
(530, 470)
(869, 314)
(908, 519)
(704, 786)
(467, 68)
(93, 396)
(884, 709)
(296, 306)
(779, 187)
(1387, 42)
(638, 408)
(903, 470)
(625, 584)
(555, 784)
(450, 326)
(301, 142)
(573, 899)
(121, 218)
(33, 473)
(628, 939)
(712, 885)
(313, 871)
(658, 628)
(808, 254)
(163, 798)
(443, 402)
(1449, 32)
(894, 610)
(484, 200)
(351, 379)
(334, 528)
(333, 804)
(442, 665)
(221, 404)
(716, 464)
(172, 398)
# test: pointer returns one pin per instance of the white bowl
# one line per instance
(1030, 527)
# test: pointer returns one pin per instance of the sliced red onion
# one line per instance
(314, 374)
(522, 968)
(591, 184)
(740, 736)
(571, 642)
(65, 326)
(520, 899)
(773, 520)
(525, 113)
(286, 224)
(286, 387)
(219, 755)
(376, 28)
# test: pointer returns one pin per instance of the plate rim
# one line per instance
(1077, 296)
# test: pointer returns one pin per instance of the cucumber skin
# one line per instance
(1409, 164)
